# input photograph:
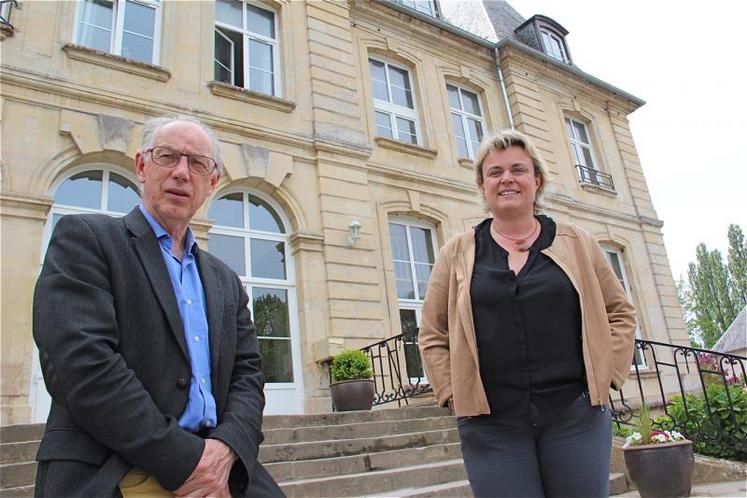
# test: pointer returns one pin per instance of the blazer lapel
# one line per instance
(149, 252)
(214, 303)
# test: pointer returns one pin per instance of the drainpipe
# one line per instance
(503, 88)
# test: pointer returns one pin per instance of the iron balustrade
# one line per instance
(595, 177)
(691, 378)
(5, 7)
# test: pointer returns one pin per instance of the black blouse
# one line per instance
(528, 330)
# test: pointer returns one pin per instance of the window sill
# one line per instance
(466, 162)
(417, 150)
(245, 95)
(597, 189)
(117, 62)
(6, 31)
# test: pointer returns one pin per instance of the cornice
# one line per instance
(574, 205)
(28, 206)
(245, 95)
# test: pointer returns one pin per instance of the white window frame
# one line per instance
(427, 7)
(233, 52)
(288, 284)
(464, 115)
(577, 144)
(550, 36)
(5, 10)
(118, 15)
(392, 109)
(608, 250)
(412, 304)
(246, 35)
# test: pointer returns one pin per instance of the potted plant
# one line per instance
(352, 387)
(660, 463)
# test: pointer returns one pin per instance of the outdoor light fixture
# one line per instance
(354, 233)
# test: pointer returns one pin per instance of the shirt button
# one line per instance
(203, 380)
(197, 338)
(189, 301)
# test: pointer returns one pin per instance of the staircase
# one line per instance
(401, 452)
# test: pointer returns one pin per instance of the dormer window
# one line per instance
(547, 36)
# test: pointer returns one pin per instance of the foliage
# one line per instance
(352, 364)
(621, 430)
(722, 432)
(715, 292)
(644, 432)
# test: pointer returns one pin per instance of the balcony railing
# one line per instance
(5, 8)
(691, 390)
(595, 177)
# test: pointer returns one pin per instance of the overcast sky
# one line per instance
(689, 66)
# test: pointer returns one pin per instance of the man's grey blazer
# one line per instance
(115, 361)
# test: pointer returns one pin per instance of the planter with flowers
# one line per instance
(660, 463)
(352, 387)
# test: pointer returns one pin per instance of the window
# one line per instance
(467, 120)
(5, 8)
(394, 104)
(424, 6)
(614, 257)
(124, 27)
(554, 46)
(583, 154)
(246, 46)
(413, 254)
(250, 237)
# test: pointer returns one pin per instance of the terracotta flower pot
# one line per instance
(661, 470)
(350, 395)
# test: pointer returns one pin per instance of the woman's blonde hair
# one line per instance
(502, 140)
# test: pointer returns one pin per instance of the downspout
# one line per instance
(503, 88)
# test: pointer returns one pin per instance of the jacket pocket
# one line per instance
(71, 444)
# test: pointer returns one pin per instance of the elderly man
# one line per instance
(147, 345)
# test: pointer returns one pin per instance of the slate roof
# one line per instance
(735, 337)
(504, 18)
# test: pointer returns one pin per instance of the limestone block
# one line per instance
(83, 128)
(115, 133)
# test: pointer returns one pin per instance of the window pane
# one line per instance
(422, 274)
(222, 74)
(223, 49)
(260, 56)
(228, 11)
(276, 360)
(580, 132)
(577, 151)
(400, 86)
(453, 97)
(403, 277)
(94, 37)
(471, 104)
(263, 217)
(261, 82)
(569, 127)
(399, 242)
(139, 19)
(268, 258)
(230, 250)
(422, 246)
(228, 211)
(475, 130)
(384, 125)
(587, 157)
(55, 218)
(406, 130)
(260, 21)
(136, 47)
(96, 24)
(456, 122)
(270, 312)
(123, 195)
(615, 264)
(81, 190)
(378, 78)
(408, 321)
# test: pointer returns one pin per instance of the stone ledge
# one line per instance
(598, 189)
(116, 62)
(466, 162)
(245, 95)
(417, 150)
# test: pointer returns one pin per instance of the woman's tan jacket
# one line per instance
(447, 332)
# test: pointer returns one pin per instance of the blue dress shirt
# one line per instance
(200, 412)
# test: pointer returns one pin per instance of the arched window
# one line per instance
(251, 237)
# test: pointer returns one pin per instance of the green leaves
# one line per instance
(351, 365)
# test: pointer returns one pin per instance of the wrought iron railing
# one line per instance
(697, 392)
(5, 8)
(595, 177)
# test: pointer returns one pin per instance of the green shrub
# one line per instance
(351, 365)
(621, 430)
(716, 435)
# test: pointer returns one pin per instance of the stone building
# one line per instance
(347, 128)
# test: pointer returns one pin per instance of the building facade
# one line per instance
(348, 129)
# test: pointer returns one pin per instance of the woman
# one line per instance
(525, 328)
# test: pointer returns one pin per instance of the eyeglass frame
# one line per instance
(188, 156)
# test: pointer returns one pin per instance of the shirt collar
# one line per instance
(164, 238)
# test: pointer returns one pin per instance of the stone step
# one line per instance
(356, 430)
(337, 418)
(366, 462)
(345, 447)
(14, 475)
(21, 432)
(454, 489)
(365, 483)
(19, 492)
(18, 452)
(618, 483)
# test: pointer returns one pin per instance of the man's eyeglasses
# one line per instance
(168, 158)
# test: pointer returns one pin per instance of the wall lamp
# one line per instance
(354, 233)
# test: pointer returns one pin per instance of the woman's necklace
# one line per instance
(520, 243)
